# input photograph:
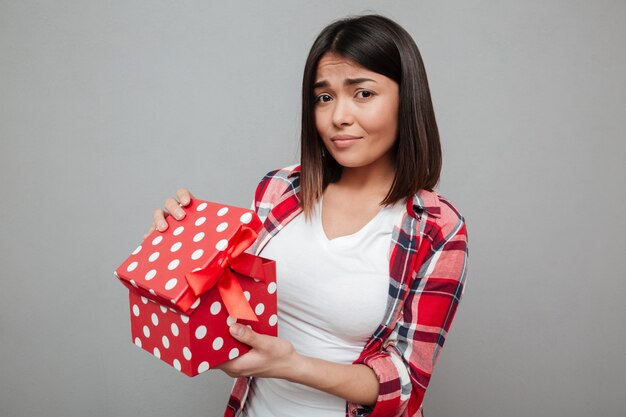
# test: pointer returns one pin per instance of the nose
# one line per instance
(342, 113)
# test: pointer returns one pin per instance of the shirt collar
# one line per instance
(294, 171)
(425, 200)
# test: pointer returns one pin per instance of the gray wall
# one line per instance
(107, 107)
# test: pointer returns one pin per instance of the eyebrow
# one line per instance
(348, 81)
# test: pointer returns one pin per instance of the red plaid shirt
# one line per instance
(427, 276)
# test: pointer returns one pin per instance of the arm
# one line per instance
(272, 357)
(405, 364)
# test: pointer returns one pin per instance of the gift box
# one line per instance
(187, 285)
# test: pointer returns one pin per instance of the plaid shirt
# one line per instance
(427, 276)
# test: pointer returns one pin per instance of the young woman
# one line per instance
(370, 260)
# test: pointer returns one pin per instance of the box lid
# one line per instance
(158, 267)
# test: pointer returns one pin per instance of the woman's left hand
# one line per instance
(270, 357)
(273, 357)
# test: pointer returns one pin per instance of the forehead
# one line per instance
(331, 64)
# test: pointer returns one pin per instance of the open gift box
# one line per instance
(187, 285)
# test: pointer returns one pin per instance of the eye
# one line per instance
(323, 98)
(364, 94)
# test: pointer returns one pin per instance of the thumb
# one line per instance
(243, 334)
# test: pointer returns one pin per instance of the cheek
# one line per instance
(320, 123)
(316, 118)
(384, 121)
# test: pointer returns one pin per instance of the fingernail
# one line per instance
(236, 330)
(162, 225)
(179, 214)
(184, 201)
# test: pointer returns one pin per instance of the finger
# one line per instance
(246, 335)
(174, 208)
(229, 367)
(158, 218)
(184, 196)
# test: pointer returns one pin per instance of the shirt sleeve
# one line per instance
(405, 364)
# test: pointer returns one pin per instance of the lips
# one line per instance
(344, 138)
(344, 141)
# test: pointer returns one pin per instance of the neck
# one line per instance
(375, 178)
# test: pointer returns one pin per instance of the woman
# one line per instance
(370, 261)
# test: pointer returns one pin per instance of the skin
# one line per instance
(368, 111)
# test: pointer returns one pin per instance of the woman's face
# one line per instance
(356, 112)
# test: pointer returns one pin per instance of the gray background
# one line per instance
(107, 107)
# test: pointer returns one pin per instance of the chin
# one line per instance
(350, 163)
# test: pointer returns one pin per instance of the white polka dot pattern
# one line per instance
(183, 247)
(218, 343)
(259, 309)
(150, 274)
(171, 284)
(156, 273)
(173, 265)
(216, 307)
(233, 353)
(221, 245)
(200, 332)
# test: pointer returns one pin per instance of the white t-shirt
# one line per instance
(332, 296)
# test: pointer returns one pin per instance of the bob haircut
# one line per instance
(380, 45)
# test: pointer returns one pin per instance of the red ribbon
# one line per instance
(220, 273)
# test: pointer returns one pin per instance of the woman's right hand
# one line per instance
(172, 206)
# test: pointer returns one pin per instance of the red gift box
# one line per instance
(187, 285)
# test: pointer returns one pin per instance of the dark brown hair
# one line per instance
(380, 45)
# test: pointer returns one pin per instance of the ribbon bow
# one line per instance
(220, 273)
